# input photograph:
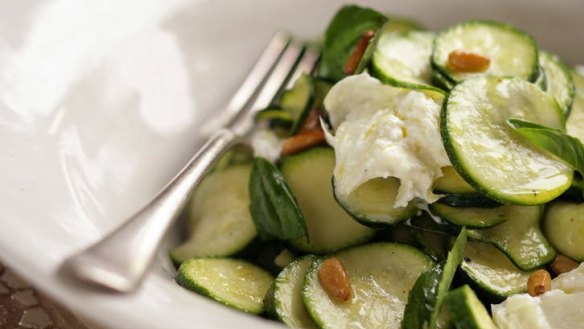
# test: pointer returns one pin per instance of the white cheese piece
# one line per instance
(560, 308)
(383, 131)
(266, 144)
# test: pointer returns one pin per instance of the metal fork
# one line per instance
(122, 258)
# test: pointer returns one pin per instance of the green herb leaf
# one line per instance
(429, 291)
(565, 147)
(342, 35)
(273, 208)
(422, 299)
(452, 262)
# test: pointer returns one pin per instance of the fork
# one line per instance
(120, 261)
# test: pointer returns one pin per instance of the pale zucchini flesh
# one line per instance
(402, 59)
(466, 311)
(564, 227)
(284, 300)
(489, 154)
(575, 121)
(309, 176)
(492, 272)
(373, 203)
(451, 182)
(232, 282)
(473, 217)
(520, 237)
(559, 83)
(216, 229)
(381, 276)
(511, 52)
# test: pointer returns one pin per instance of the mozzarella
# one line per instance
(383, 131)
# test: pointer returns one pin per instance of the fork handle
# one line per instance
(120, 260)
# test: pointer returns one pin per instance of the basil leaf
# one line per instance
(452, 262)
(565, 147)
(422, 298)
(342, 35)
(431, 287)
(273, 208)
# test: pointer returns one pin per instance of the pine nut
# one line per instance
(334, 280)
(539, 282)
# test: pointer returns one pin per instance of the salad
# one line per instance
(417, 179)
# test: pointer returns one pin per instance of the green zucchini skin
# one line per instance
(381, 275)
(465, 310)
(308, 175)
(213, 230)
(510, 41)
(284, 302)
(559, 82)
(502, 175)
(489, 271)
(235, 283)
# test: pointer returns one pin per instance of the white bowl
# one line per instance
(101, 103)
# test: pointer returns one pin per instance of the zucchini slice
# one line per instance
(475, 217)
(511, 52)
(575, 122)
(520, 237)
(298, 101)
(492, 272)
(402, 59)
(465, 310)
(381, 276)
(468, 200)
(215, 230)
(372, 203)
(564, 227)
(559, 83)
(309, 175)
(284, 299)
(232, 282)
(488, 154)
(452, 183)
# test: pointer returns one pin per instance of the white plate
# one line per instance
(101, 102)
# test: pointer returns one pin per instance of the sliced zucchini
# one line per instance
(520, 237)
(275, 115)
(441, 81)
(284, 299)
(475, 217)
(216, 230)
(492, 272)
(511, 52)
(575, 122)
(373, 203)
(559, 83)
(468, 200)
(564, 227)
(488, 154)
(298, 101)
(402, 24)
(309, 174)
(232, 282)
(452, 183)
(402, 59)
(381, 275)
(466, 311)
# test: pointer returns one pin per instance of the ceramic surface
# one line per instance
(103, 101)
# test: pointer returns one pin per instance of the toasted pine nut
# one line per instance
(302, 141)
(465, 62)
(334, 280)
(539, 282)
(563, 264)
(357, 54)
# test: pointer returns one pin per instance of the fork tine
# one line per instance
(276, 81)
(252, 83)
(306, 65)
